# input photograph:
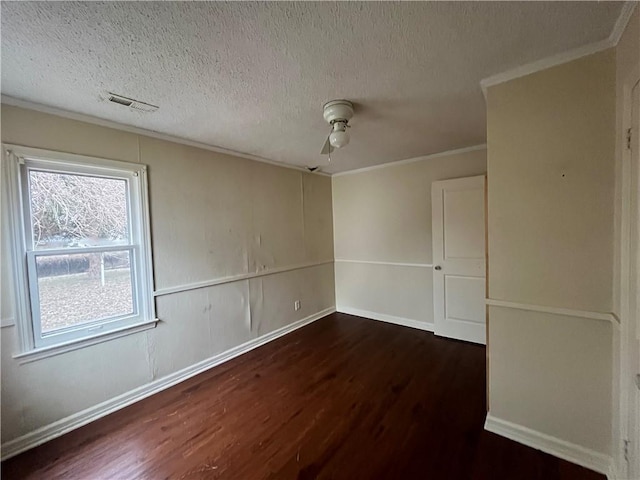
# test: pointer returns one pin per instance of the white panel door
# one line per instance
(458, 230)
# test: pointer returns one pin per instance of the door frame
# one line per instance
(624, 387)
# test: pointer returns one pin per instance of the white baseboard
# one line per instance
(405, 322)
(77, 420)
(571, 452)
(613, 474)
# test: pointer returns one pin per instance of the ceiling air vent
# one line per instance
(131, 103)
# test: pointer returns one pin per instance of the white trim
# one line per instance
(7, 322)
(571, 452)
(569, 312)
(383, 317)
(44, 158)
(144, 225)
(624, 370)
(48, 252)
(395, 264)
(564, 57)
(22, 306)
(77, 420)
(457, 151)
(234, 278)
(57, 349)
(621, 24)
(38, 107)
(614, 473)
(620, 365)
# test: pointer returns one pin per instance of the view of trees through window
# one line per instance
(77, 210)
(70, 211)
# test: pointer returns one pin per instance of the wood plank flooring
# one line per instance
(342, 398)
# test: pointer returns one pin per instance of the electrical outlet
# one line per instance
(296, 305)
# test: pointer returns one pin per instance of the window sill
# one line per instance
(41, 353)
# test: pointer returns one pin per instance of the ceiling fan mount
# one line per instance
(337, 113)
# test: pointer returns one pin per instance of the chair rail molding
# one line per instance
(236, 278)
(394, 264)
(569, 312)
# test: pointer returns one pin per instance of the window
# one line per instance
(82, 249)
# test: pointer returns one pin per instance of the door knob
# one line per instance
(438, 267)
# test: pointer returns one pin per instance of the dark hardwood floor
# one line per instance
(343, 398)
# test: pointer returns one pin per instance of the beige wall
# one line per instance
(384, 216)
(549, 373)
(551, 206)
(212, 216)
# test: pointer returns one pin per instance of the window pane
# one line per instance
(83, 287)
(77, 210)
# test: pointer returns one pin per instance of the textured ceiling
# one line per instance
(253, 77)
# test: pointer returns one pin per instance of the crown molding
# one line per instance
(81, 117)
(622, 22)
(397, 163)
(564, 57)
(543, 64)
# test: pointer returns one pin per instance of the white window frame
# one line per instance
(20, 160)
